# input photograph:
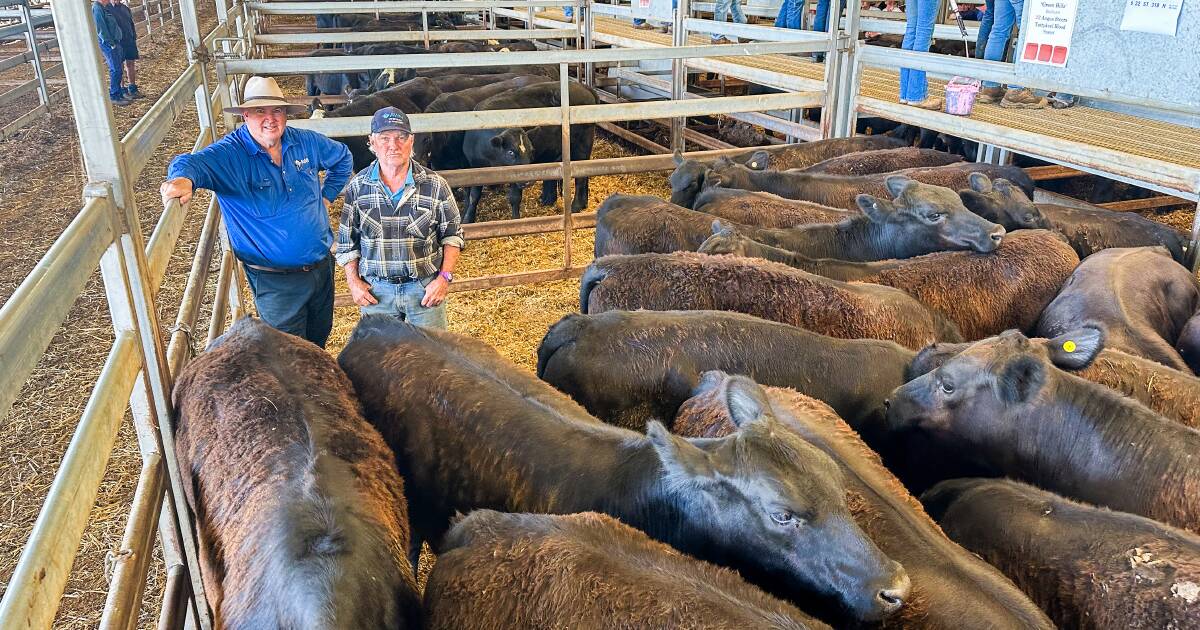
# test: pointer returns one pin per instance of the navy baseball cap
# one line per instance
(390, 119)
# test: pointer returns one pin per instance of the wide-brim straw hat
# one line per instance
(264, 92)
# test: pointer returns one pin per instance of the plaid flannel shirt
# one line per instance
(398, 239)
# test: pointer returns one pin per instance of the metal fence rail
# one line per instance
(39, 43)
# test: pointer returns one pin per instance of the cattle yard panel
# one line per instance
(38, 43)
(563, 116)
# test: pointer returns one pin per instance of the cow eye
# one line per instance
(1029, 218)
(947, 388)
(934, 216)
(783, 518)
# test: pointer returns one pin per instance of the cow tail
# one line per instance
(560, 334)
(592, 276)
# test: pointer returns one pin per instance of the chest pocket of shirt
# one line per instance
(264, 203)
(422, 222)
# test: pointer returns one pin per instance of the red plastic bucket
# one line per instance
(960, 96)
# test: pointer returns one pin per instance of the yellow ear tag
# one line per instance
(1069, 346)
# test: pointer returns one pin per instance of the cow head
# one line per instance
(933, 218)
(773, 505)
(724, 240)
(968, 395)
(687, 180)
(508, 147)
(316, 109)
(1001, 202)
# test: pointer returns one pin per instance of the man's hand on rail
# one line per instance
(179, 188)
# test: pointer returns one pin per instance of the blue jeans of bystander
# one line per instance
(403, 301)
(1008, 14)
(918, 32)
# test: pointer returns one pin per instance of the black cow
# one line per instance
(626, 366)
(514, 145)
(921, 219)
(1089, 230)
(443, 150)
(1002, 403)
(840, 191)
(470, 430)
(688, 179)
(1072, 558)
(317, 84)
(1139, 296)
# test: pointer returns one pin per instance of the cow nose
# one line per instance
(892, 597)
(997, 234)
(887, 403)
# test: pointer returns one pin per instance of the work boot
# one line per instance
(121, 102)
(932, 103)
(1061, 101)
(132, 92)
(663, 29)
(1023, 98)
(991, 95)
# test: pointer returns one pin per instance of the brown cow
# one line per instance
(586, 570)
(983, 294)
(885, 161)
(686, 281)
(301, 512)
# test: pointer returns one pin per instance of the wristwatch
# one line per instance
(447, 276)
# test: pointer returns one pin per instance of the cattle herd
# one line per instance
(839, 384)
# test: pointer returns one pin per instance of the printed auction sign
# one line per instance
(1152, 16)
(1048, 28)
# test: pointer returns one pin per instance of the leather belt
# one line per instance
(304, 269)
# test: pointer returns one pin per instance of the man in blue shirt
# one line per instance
(108, 32)
(265, 176)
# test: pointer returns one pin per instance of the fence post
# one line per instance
(679, 73)
(35, 54)
(123, 266)
(146, 12)
(568, 183)
(849, 76)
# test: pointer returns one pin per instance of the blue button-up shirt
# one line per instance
(274, 214)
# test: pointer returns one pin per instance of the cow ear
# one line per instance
(980, 182)
(678, 157)
(497, 141)
(1076, 349)
(745, 400)
(898, 184)
(1021, 379)
(721, 228)
(759, 160)
(877, 210)
(680, 458)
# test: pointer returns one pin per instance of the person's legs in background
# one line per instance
(985, 27)
(720, 8)
(918, 34)
(790, 14)
(997, 43)
(1017, 97)
(821, 20)
(116, 70)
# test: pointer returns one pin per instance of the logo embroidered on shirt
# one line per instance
(300, 163)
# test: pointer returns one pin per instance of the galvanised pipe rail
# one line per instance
(414, 6)
(352, 63)
(365, 37)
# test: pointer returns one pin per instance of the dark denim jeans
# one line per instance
(116, 70)
(298, 303)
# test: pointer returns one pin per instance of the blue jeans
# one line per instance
(790, 14)
(569, 11)
(1008, 14)
(403, 301)
(728, 6)
(985, 28)
(918, 32)
(116, 70)
(821, 19)
(298, 303)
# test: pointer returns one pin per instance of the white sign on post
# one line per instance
(1160, 17)
(1049, 27)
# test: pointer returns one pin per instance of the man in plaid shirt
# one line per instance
(400, 233)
